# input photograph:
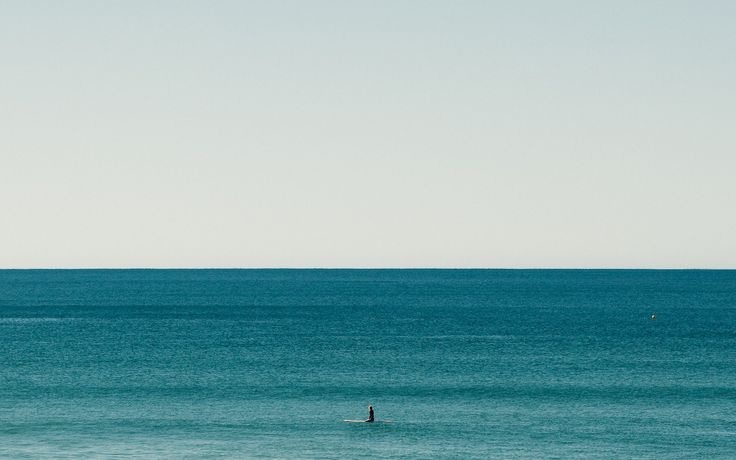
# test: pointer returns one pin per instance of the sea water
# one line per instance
(465, 363)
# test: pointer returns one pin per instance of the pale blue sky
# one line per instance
(368, 134)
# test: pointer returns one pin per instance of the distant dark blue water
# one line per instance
(466, 363)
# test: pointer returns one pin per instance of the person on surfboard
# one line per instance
(370, 414)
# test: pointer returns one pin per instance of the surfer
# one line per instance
(371, 418)
(653, 316)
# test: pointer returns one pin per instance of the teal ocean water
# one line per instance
(466, 363)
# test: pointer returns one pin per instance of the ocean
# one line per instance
(464, 363)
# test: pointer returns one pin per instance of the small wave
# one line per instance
(33, 320)
(470, 336)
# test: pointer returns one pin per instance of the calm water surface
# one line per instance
(466, 363)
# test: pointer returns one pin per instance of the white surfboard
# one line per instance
(366, 421)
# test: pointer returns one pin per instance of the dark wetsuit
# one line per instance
(370, 415)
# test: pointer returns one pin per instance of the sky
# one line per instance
(570, 134)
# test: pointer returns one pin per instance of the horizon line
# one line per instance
(367, 268)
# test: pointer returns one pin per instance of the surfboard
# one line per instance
(365, 421)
